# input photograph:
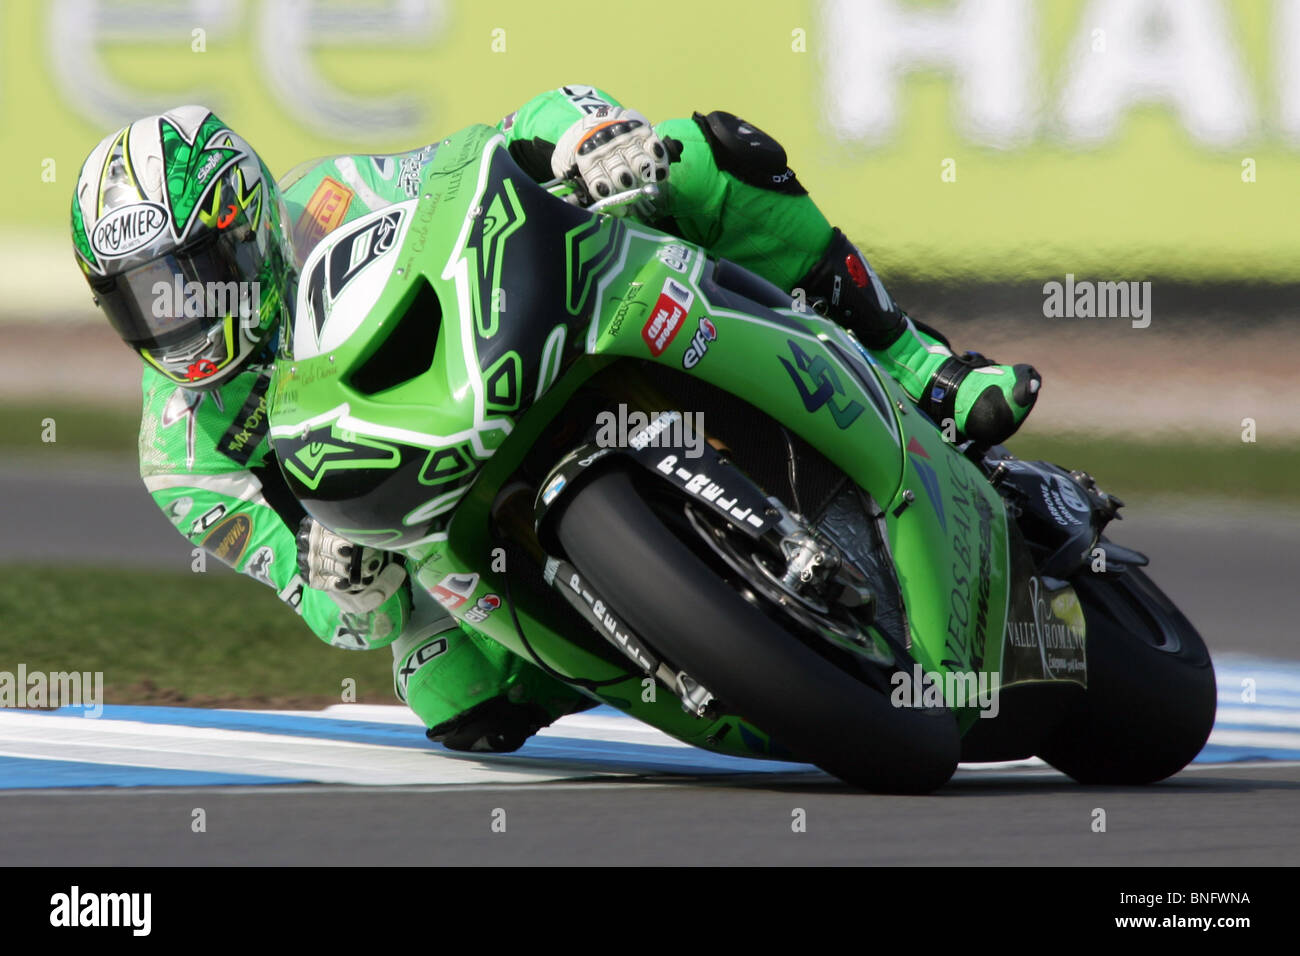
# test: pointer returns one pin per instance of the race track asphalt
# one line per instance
(1212, 815)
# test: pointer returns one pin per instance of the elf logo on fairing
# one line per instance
(667, 316)
(482, 608)
(704, 335)
(128, 228)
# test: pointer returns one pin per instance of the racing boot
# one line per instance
(472, 693)
(494, 726)
(984, 401)
(968, 396)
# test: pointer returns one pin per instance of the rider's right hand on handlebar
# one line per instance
(610, 151)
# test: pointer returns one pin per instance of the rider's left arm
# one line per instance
(753, 213)
(777, 232)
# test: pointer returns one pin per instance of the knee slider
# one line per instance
(748, 153)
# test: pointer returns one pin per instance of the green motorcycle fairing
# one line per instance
(435, 340)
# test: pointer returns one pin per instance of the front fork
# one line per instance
(774, 550)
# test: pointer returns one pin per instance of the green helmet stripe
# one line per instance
(79, 238)
(191, 166)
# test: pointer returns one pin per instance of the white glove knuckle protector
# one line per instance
(610, 151)
(357, 578)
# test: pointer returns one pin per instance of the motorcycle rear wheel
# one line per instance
(692, 617)
(1151, 696)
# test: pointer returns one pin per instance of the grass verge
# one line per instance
(74, 428)
(1130, 467)
(185, 639)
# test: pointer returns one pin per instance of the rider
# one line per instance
(184, 238)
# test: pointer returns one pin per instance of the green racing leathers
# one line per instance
(205, 459)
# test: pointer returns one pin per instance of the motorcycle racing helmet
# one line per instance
(179, 229)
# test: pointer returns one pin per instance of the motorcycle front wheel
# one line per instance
(694, 619)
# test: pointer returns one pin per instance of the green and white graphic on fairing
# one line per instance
(343, 278)
(335, 449)
(383, 321)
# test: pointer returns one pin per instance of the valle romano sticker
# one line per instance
(128, 228)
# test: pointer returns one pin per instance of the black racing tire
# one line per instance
(691, 616)
(1151, 696)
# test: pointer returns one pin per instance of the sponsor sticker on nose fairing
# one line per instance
(455, 589)
(667, 316)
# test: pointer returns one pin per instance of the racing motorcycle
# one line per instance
(659, 478)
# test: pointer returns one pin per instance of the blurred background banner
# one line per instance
(971, 140)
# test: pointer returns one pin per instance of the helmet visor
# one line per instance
(183, 295)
